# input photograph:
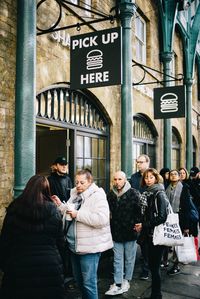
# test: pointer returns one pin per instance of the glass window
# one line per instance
(87, 147)
(140, 33)
(144, 134)
(194, 150)
(94, 147)
(79, 150)
(101, 148)
(94, 156)
(175, 149)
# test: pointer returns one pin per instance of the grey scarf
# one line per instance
(174, 195)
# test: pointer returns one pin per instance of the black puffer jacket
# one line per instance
(31, 254)
(125, 213)
(154, 216)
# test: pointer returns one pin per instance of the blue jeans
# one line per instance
(124, 260)
(85, 273)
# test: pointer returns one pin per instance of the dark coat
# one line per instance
(136, 180)
(125, 213)
(60, 186)
(154, 216)
(184, 208)
(31, 254)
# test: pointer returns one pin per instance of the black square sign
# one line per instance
(169, 102)
(95, 59)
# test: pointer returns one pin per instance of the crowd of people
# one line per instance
(51, 223)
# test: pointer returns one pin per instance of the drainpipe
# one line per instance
(166, 58)
(25, 94)
(189, 145)
(127, 9)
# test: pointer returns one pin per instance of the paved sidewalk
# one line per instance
(181, 286)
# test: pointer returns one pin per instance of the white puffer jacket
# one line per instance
(92, 225)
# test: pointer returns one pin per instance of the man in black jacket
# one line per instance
(60, 182)
(125, 211)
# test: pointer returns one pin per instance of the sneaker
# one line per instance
(114, 290)
(164, 265)
(174, 271)
(125, 285)
(144, 276)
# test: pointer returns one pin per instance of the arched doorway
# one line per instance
(71, 123)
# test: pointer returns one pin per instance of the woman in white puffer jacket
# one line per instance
(88, 233)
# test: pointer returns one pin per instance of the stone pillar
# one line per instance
(127, 9)
(166, 58)
(25, 94)
(189, 144)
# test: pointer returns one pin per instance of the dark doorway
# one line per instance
(51, 142)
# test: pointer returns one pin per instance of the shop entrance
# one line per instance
(71, 123)
(51, 142)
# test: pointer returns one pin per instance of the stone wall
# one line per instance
(7, 100)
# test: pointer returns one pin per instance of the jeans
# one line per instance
(124, 260)
(85, 273)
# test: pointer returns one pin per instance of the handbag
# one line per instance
(187, 252)
(169, 232)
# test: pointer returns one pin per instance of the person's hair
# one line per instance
(122, 173)
(155, 173)
(36, 191)
(31, 208)
(145, 156)
(186, 172)
(87, 172)
(163, 171)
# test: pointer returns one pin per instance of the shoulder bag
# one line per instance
(169, 232)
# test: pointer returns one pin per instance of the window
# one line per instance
(194, 150)
(84, 3)
(176, 145)
(144, 138)
(140, 33)
(91, 154)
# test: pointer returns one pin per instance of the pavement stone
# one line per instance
(185, 285)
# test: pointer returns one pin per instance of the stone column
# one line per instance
(127, 9)
(166, 58)
(25, 94)
(189, 144)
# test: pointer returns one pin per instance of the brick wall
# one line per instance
(7, 100)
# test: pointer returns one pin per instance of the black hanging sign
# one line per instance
(169, 102)
(95, 59)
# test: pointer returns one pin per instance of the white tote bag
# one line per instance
(187, 252)
(168, 233)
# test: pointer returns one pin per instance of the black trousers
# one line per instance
(155, 254)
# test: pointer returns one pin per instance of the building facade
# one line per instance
(86, 125)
